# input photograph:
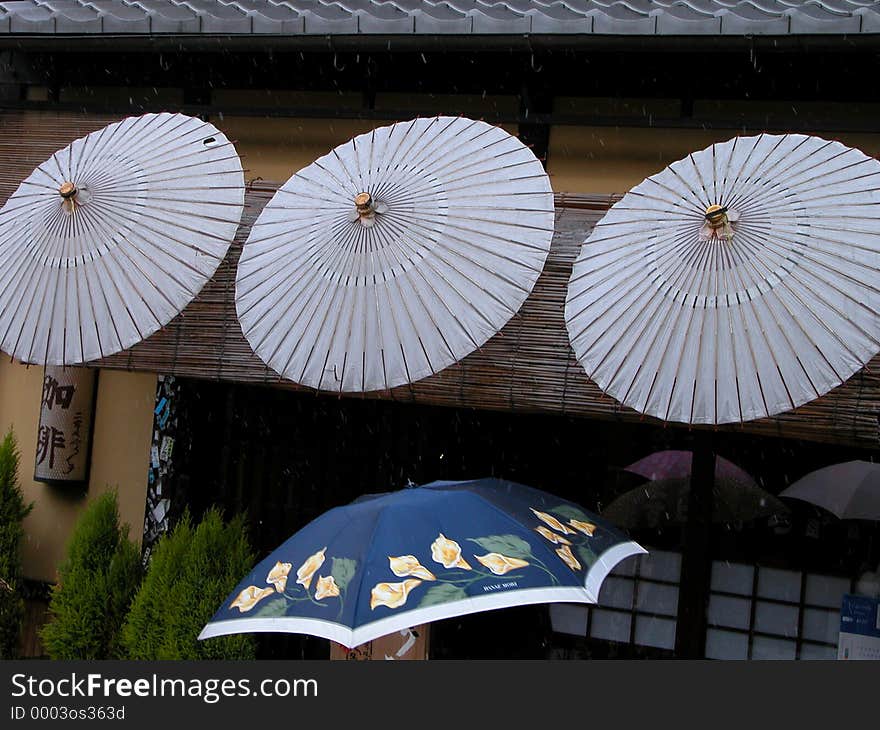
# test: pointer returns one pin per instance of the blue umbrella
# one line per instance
(390, 561)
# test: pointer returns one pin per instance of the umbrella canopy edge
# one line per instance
(605, 563)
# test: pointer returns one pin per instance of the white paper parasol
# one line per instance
(740, 282)
(112, 236)
(395, 255)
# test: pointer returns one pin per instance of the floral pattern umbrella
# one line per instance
(387, 562)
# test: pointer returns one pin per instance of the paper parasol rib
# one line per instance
(740, 282)
(449, 232)
(112, 236)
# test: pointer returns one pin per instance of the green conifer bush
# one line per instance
(12, 511)
(97, 581)
(192, 571)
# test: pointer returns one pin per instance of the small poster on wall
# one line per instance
(859, 628)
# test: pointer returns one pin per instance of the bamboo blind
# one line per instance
(528, 366)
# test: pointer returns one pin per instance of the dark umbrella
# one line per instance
(737, 497)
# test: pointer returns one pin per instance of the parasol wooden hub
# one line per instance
(716, 216)
(366, 208)
(67, 190)
(720, 222)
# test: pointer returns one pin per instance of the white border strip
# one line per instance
(413, 617)
(607, 562)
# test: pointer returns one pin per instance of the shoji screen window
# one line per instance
(758, 612)
(638, 604)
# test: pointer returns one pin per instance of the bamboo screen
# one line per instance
(528, 366)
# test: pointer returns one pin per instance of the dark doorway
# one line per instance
(284, 458)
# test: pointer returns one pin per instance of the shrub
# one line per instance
(12, 511)
(192, 571)
(97, 581)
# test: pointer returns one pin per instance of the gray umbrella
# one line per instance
(850, 490)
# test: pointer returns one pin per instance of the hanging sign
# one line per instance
(64, 434)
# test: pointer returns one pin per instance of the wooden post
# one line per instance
(535, 100)
(696, 564)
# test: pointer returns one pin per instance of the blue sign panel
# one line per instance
(859, 628)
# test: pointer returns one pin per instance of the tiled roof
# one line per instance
(440, 17)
